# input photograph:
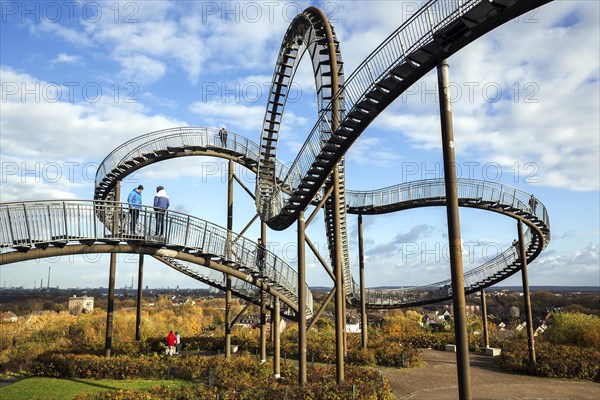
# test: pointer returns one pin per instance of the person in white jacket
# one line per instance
(161, 204)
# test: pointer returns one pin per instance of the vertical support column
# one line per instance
(263, 304)
(526, 295)
(230, 181)
(486, 338)
(275, 328)
(340, 318)
(110, 307)
(138, 314)
(363, 304)
(301, 301)
(228, 316)
(229, 256)
(345, 314)
(456, 267)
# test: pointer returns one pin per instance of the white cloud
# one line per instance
(58, 128)
(142, 69)
(520, 100)
(581, 264)
(63, 58)
(237, 115)
(51, 149)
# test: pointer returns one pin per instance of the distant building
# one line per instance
(353, 328)
(78, 305)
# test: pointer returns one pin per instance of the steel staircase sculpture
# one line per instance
(181, 141)
(439, 29)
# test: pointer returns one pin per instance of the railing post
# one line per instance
(65, 220)
(187, 228)
(28, 231)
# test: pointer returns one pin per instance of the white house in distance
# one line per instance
(80, 304)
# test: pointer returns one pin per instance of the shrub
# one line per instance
(234, 378)
(395, 354)
(574, 329)
(361, 357)
(555, 361)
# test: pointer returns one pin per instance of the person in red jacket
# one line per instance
(171, 340)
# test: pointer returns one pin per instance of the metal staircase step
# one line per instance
(403, 70)
(450, 32)
(479, 13)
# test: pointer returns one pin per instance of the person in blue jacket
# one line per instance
(161, 204)
(135, 205)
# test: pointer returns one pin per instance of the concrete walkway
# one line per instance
(437, 380)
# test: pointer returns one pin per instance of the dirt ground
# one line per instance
(438, 380)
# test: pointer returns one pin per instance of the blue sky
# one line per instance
(80, 79)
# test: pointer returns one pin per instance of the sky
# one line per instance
(80, 78)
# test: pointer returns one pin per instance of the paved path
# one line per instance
(437, 380)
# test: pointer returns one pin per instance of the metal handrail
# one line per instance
(480, 193)
(34, 223)
(187, 137)
(435, 189)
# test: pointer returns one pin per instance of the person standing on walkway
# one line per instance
(135, 205)
(532, 203)
(260, 255)
(161, 204)
(223, 136)
(177, 342)
(171, 340)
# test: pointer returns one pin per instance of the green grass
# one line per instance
(63, 389)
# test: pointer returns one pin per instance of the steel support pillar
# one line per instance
(275, 328)
(301, 301)
(456, 267)
(526, 295)
(138, 313)
(363, 304)
(340, 318)
(110, 307)
(345, 314)
(230, 180)
(484, 322)
(337, 262)
(263, 305)
(228, 316)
